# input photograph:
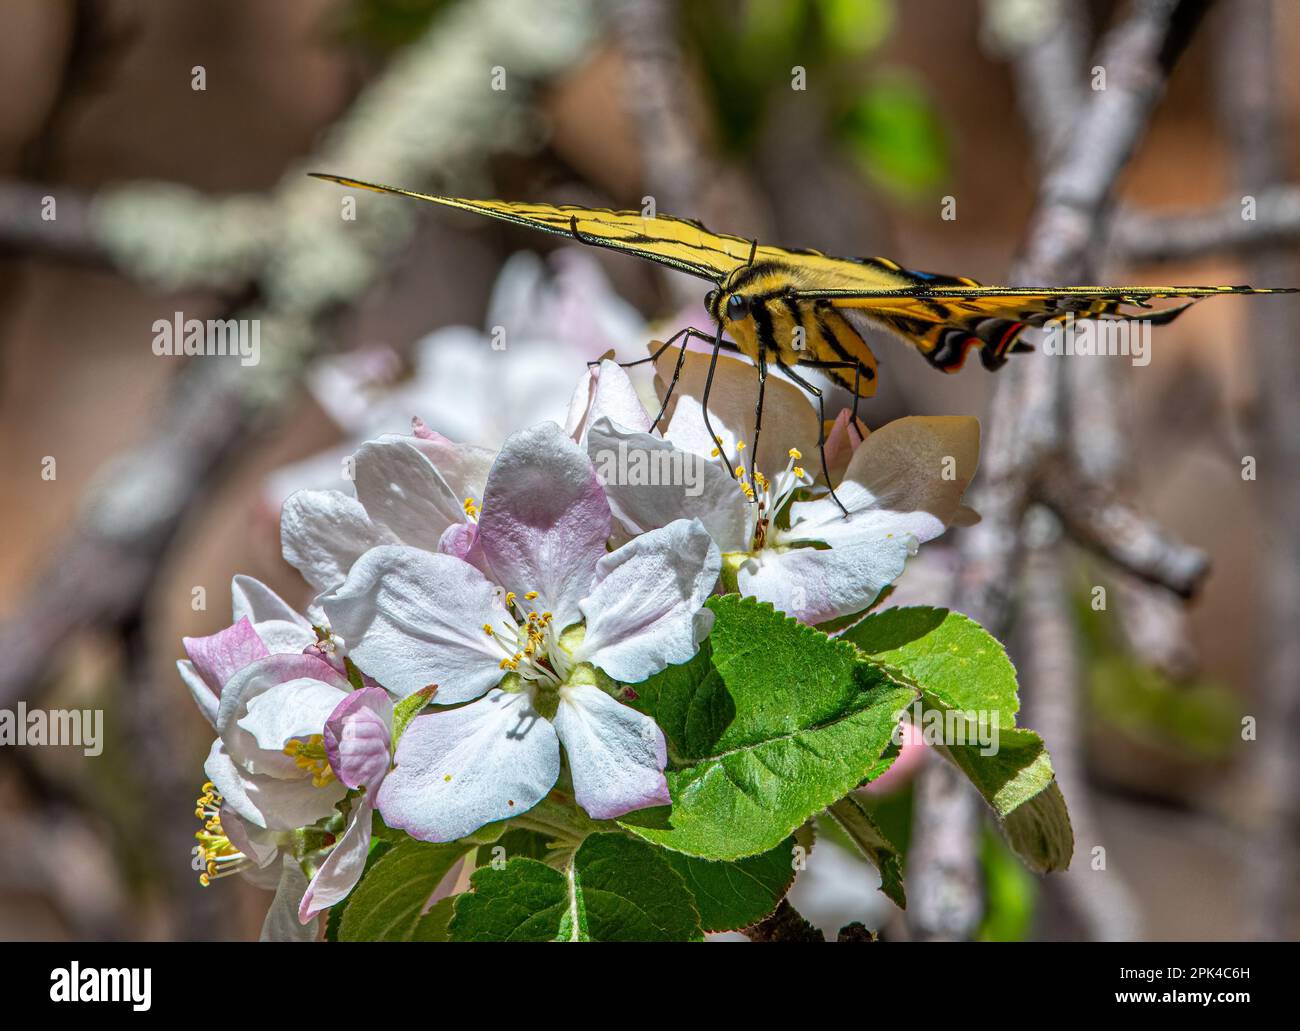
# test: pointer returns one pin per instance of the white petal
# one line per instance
(204, 697)
(269, 802)
(342, 868)
(815, 585)
(616, 754)
(682, 485)
(462, 768)
(295, 709)
(545, 521)
(463, 467)
(906, 478)
(281, 923)
(249, 683)
(646, 611)
(323, 532)
(280, 627)
(412, 618)
(605, 392)
(403, 493)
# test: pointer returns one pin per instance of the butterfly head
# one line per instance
(727, 306)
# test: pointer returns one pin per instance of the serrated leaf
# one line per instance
(388, 902)
(734, 895)
(433, 925)
(870, 840)
(947, 654)
(961, 668)
(615, 889)
(769, 724)
(1018, 782)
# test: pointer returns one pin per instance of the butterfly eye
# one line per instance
(737, 306)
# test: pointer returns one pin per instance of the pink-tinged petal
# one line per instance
(250, 683)
(906, 478)
(204, 696)
(605, 392)
(420, 429)
(403, 493)
(462, 768)
(616, 754)
(323, 532)
(647, 610)
(342, 868)
(545, 521)
(459, 540)
(269, 802)
(281, 923)
(842, 441)
(789, 418)
(817, 584)
(358, 737)
(281, 628)
(220, 656)
(412, 618)
(683, 485)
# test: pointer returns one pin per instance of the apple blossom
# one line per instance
(526, 617)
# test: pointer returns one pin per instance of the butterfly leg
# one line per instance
(821, 427)
(857, 367)
(704, 402)
(758, 413)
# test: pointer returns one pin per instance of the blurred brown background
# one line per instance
(907, 102)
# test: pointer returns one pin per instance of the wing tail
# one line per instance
(947, 322)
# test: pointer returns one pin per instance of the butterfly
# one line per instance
(792, 308)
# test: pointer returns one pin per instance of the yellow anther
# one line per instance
(716, 452)
(740, 472)
(531, 595)
(510, 597)
(215, 850)
(310, 757)
(795, 453)
(471, 509)
(740, 445)
(798, 471)
(487, 629)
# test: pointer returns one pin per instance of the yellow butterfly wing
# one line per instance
(679, 243)
(946, 317)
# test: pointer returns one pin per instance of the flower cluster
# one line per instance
(481, 619)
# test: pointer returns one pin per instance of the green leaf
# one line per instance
(734, 895)
(409, 708)
(388, 903)
(616, 889)
(1018, 782)
(853, 817)
(517, 843)
(378, 846)
(769, 724)
(946, 654)
(960, 668)
(433, 926)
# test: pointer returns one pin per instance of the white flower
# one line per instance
(901, 487)
(533, 618)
